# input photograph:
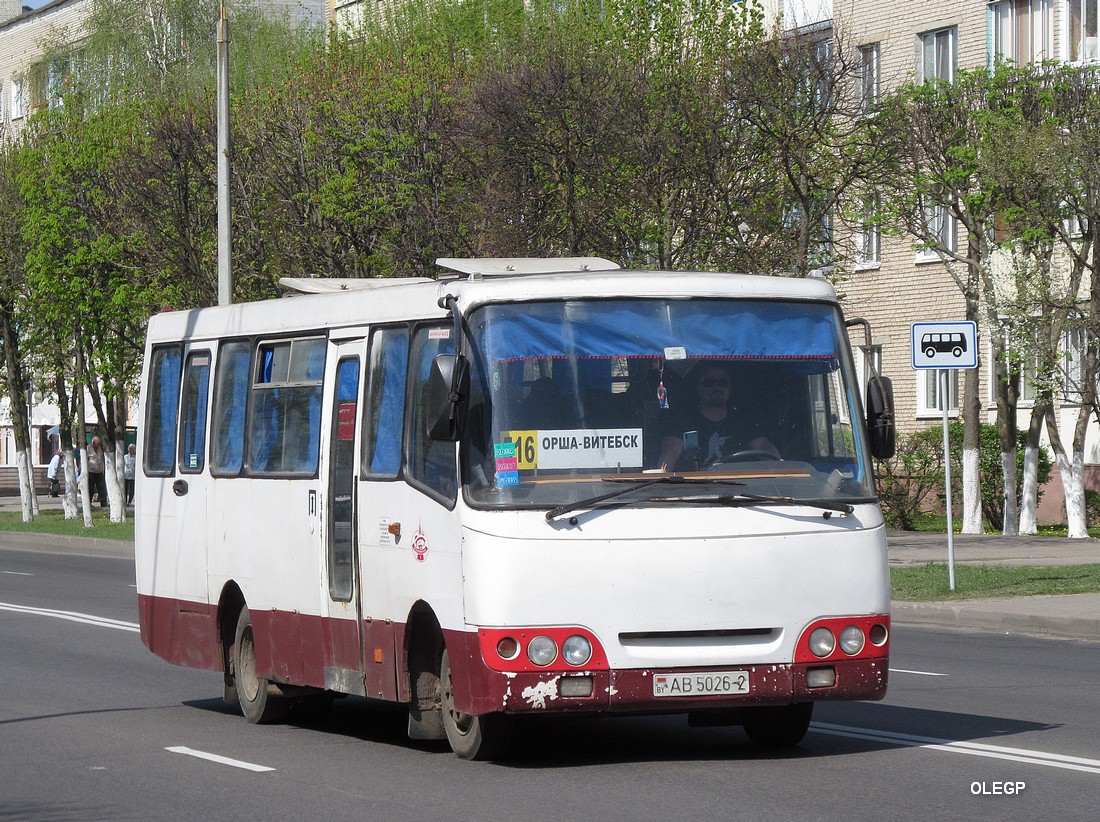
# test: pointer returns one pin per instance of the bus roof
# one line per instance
(319, 303)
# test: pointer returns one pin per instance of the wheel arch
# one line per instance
(230, 604)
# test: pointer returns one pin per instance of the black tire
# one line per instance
(258, 706)
(472, 737)
(781, 727)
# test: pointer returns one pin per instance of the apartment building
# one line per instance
(896, 284)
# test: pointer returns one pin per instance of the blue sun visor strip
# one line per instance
(638, 328)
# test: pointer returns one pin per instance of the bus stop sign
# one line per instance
(945, 345)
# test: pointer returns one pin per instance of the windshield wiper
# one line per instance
(667, 479)
(755, 499)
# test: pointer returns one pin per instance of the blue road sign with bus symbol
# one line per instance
(945, 345)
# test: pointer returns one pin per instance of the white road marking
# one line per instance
(1072, 763)
(918, 673)
(16, 573)
(221, 760)
(87, 619)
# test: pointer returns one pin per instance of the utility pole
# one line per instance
(225, 204)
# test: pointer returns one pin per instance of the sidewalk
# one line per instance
(1072, 616)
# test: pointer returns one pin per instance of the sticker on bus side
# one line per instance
(609, 448)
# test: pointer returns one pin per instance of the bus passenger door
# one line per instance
(189, 501)
(344, 620)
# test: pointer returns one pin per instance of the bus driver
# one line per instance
(712, 429)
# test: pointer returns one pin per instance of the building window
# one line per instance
(350, 16)
(938, 233)
(1074, 349)
(823, 73)
(930, 392)
(1022, 30)
(868, 77)
(868, 240)
(936, 55)
(18, 98)
(1084, 31)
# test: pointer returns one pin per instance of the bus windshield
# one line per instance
(571, 396)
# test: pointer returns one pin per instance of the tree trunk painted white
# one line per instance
(85, 492)
(27, 499)
(972, 497)
(1029, 502)
(1011, 515)
(68, 499)
(1073, 486)
(112, 471)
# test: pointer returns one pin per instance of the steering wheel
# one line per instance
(749, 455)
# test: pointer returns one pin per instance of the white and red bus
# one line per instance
(459, 495)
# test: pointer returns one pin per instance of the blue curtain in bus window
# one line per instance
(192, 456)
(727, 329)
(163, 410)
(432, 462)
(230, 396)
(285, 429)
(390, 421)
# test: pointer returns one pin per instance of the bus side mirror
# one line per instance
(880, 417)
(448, 397)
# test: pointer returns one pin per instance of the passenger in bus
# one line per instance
(710, 429)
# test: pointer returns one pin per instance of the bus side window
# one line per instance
(285, 430)
(192, 440)
(385, 427)
(432, 462)
(162, 410)
(230, 396)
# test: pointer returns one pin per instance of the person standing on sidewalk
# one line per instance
(128, 465)
(97, 481)
(56, 465)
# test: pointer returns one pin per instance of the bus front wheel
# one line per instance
(257, 704)
(778, 727)
(470, 736)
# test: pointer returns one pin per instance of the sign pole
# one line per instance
(947, 481)
(948, 347)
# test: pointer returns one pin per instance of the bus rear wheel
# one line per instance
(779, 727)
(471, 736)
(257, 704)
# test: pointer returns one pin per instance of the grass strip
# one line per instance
(928, 583)
(52, 521)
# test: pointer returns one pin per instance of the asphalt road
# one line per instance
(93, 727)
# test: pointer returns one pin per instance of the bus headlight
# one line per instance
(851, 640)
(576, 650)
(542, 650)
(822, 642)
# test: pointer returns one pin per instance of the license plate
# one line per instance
(715, 683)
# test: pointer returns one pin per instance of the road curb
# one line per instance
(1034, 616)
(59, 544)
